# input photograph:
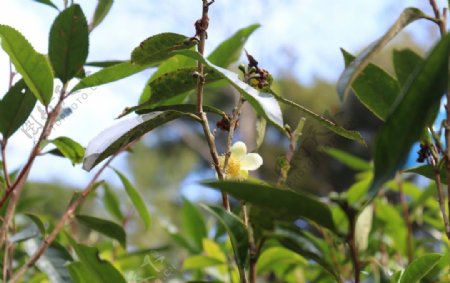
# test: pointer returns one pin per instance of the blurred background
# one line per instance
(298, 43)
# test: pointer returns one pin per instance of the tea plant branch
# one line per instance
(62, 221)
(3, 144)
(407, 218)
(201, 27)
(16, 188)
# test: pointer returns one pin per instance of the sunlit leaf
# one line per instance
(102, 9)
(230, 50)
(420, 95)
(105, 227)
(33, 66)
(135, 198)
(200, 262)
(429, 172)
(347, 159)
(68, 148)
(296, 204)
(350, 73)
(160, 47)
(69, 43)
(194, 226)
(419, 268)
(15, 107)
(275, 256)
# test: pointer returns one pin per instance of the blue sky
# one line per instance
(301, 37)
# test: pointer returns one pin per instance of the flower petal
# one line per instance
(238, 150)
(251, 161)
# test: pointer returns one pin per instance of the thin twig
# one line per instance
(4, 163)
(62, 222)
(407, 218)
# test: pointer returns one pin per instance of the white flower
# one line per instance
(240, 162)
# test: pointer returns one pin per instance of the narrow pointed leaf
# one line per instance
(350, 73)
(111, 140)
(288, 202)
(103, 64)
(37, 221)
(15, 107)
(111, 202)
(419, 268)
(69, 43)
(69, 149)
(102, 9)
(429, 172)
(420, 96)
(105, 227)
(159, 47)
(48, 3)
(374, 87)
(351, 135)
(194, 226)
(109, 74)
(230, 50)
(264, 103)
(347, 159)
(236, 231)
(91, 268)
(405, 62)
(201, 262)
(33, 66)
(136, 199)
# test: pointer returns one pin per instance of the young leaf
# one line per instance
(298, 205)
(419, 268)
(111, 202)
(102, 9)
(33, 66)
(69, 43)
(193, 225)
(48, 3)
(352, 135)
(109, 74)
(392, 148)
(429, 172)
(15, 107)
(350, 73)
(175, 83)
(274, 256)
(230, 50)
(405, 62)
(236, 231)
(374, 87)
(69, 149)
(264, 103)
(347, 159)
(135, 198)
(93, 267)
(105, 227)
(116, 137)
(201, 262)
(160, 47)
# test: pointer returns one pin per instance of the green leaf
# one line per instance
(200, 262)
(420, 267)
(236, 231)
(405, 62)
(275, 256)
(15, 107)
(186, 108)
(194, 226)
(135, 198)
(347, 159)
(33, 66)
(37, 221)
(374, 87)
(91, 268)
(69, 43)
(420, 95)
(264, 103)
(429, 172)
(105, 227)
(351, 135)
(111, 140)
(160, 47)
(48, 3)
(350, 73)
(111, 202)
(69, 149)
(230, 50)
(175, 83)
(299, 205)
(103, 64)
(109, 74)
(261, 125)
(102, 9)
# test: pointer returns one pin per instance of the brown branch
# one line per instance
(66, 216)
